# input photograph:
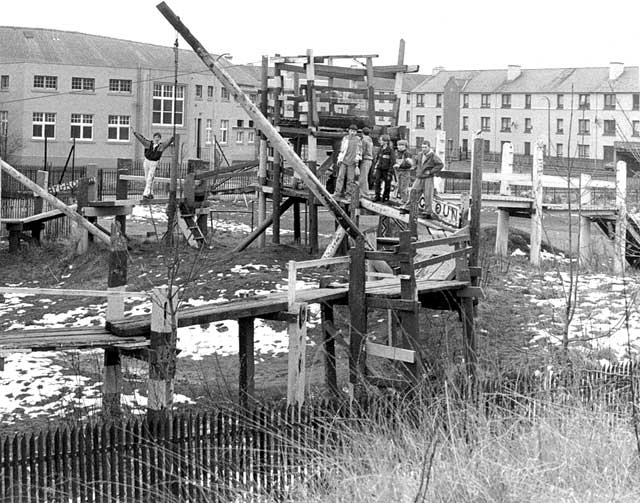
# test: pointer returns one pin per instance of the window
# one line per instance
(163, 105)
(609, 101)
(559, 101)
(583, 151)
(527, 148)
(559, 126)
(408, 99)
(636, 128)
(485, 124)
(198, 91)
(465, 123)
(251, 136)
(250, 123)
(208, 128)
(4, 82)
(82, 126)
(528, 127)
(83, 84)
(408, 117)
(419, 121)
(438, 100)
(44, 124)
(419, 100)
(438, 122)
(609, 128)
(505, 124)
(527, 101)
(239, 136)
(4, 123)
(224, 131)
(118, 128)
(485, 101)
(559, 149)
(636, 101)
(465, 101)
(487, 146)
(209, 92)
(506, 101)
(240, 123)
(224, 94)
(583, 126)
(119, 86)
(45, 82)
(584, 101)
(608, 153)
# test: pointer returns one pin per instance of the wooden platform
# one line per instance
(110, 203)
(276, 303)
(58, 339)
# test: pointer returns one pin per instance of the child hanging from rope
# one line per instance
(152, 153)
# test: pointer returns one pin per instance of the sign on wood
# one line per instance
(447, 212)
(69, 186)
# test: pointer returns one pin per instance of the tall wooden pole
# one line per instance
(172, 207)
(620, 239)
(262, 167)
(312, 151)
(276, 195)
(502, 231)
(277, 141)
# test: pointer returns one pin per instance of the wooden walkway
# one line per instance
(268, 307)
(58, 339)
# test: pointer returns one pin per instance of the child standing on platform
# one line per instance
(152, 153)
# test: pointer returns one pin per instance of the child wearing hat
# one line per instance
(403, 165)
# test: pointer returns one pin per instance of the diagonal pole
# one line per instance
(263, 124)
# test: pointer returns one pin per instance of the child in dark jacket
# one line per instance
(385, 161)
(403, 165)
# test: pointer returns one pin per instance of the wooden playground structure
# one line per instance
(426, 264)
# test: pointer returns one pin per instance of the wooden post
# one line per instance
(15, 233)
(122, 189)
(263, 153)
(441, 152)
(409, 321)
(42, 179)
(312, 152)
(358, 318)
(261, 122)
(414, 209)
(536, 210)
(476, 201)
(585, 222)
(54, 202)
(116, 280)
(502, 231)
(329, 333)
(397, 86)
(620, 238)
(277, 160)
(247, 361)
(162, 352)
(297, 332)
(371, 94)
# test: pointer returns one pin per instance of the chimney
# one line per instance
(513, 72)
(615, 70)
(436, 70)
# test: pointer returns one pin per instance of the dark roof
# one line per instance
(40, 45)
(549, 80)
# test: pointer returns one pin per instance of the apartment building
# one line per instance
(68, 86)
(580, 112)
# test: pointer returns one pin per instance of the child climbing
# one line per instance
(153, 150)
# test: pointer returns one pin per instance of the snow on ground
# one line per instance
(46, 384)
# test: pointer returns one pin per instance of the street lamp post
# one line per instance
(548, 125)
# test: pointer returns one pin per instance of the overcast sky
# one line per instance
(456, 34)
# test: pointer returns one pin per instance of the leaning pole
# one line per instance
(263, 124)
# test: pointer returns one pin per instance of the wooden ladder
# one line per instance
(189, 227)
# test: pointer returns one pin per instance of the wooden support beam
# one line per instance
(67, 292)
(395, 304)
(54, 202)
(358, 319)
(312, 151)
(297, 331)
(262, 227)
(261, 122)
(329, 342)
(409, 322)
(162, 352)
(620, 238)
(443, 258)
(247, 361)
(585, 245)
(333, 247)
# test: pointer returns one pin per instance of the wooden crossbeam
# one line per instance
(442, 241)
(442, 258)
(60, 292)
(263, 124)
(390, 352)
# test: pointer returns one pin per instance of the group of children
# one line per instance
(356, 159)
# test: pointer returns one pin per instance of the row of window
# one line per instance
(584, 101)
(506, 125)
(224, 132)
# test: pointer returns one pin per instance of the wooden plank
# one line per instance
(442, 241)
(389, 257)
(473, 292)
(358, 318)
(390, 352)
(62, 292)
(296, 374)
(443, 258)
(322, 262)
(329, 342)
(334, 245)
(246, 354)
(388, 303)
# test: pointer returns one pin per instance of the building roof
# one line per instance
(47, 46)
(542, 80)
